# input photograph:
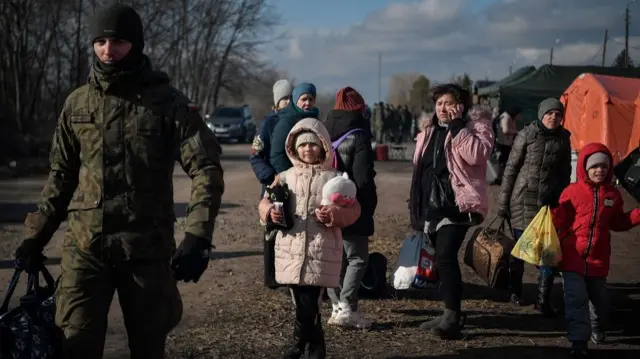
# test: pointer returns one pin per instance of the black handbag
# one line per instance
(29, 331)
(628, 173)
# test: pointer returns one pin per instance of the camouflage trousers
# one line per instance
(148, 295)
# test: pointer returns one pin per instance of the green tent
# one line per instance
(549, 81)
(494, 89)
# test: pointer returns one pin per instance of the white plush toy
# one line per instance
(339, 191)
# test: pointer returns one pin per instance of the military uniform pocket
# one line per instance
(150, 142)
(148, 124)
(81, 119)
(85, 198)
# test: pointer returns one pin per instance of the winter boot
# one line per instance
(430, 324)
(450, 325)
(578, 350)
(317, 348)
(296, 347)
(516, 272)
(543, 304)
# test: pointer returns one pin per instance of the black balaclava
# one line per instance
(122, 22)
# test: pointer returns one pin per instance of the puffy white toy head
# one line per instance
(339, 191)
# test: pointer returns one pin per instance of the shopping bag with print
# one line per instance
(539, 243)
(415, 267)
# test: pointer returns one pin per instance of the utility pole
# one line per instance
(551, 56)
(626, 37)
(604, 46)
(510, 69)
(379, 77)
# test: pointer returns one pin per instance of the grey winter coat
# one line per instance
(539, 167)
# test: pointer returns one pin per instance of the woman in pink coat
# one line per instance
(449, 190)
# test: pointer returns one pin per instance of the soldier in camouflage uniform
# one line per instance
(112, 162)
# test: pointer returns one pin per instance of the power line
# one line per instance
(622, 43)
(594, 56)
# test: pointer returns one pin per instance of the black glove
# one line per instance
(29, 255)
(550, 199)
(191, 258)
(456, 126)
(504, 214)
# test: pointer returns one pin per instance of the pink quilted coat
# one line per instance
(310, 253)
(466, 157)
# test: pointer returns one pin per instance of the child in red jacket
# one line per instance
(587, 211)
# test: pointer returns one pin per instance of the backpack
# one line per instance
(335, 144)
(374, 282)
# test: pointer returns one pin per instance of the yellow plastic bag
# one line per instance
(539, 243)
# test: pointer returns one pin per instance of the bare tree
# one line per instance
(400, 86)
(210, 48)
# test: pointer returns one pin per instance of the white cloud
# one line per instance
(441, 37)
(295, 53)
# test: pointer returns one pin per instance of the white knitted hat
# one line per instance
(307, 137)
(598, 158)
(281, 89)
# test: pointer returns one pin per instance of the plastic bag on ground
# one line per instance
(416, 265)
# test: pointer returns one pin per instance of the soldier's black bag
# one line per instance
(628, 173)
(29, 331)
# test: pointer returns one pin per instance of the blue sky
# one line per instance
(335, 43)
(338, 13)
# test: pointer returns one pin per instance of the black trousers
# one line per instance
(504, 153)
(308, 324)
(447, 241)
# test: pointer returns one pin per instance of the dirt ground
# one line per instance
(229, 314)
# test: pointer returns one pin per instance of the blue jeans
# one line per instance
(586, 305)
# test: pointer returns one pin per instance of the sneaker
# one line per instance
(598, 336)
(348, 318)
(334, 314)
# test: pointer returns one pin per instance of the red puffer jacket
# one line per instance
(584, 217)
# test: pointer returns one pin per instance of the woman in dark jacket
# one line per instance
(538, 169)
(355, 157)
(302, 105)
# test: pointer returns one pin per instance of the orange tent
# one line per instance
(601, 108)
(634, 140)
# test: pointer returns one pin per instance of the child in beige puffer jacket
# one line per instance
(309, 255)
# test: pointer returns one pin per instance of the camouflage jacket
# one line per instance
(112, 162)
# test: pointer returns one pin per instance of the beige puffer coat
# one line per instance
(310, 253)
